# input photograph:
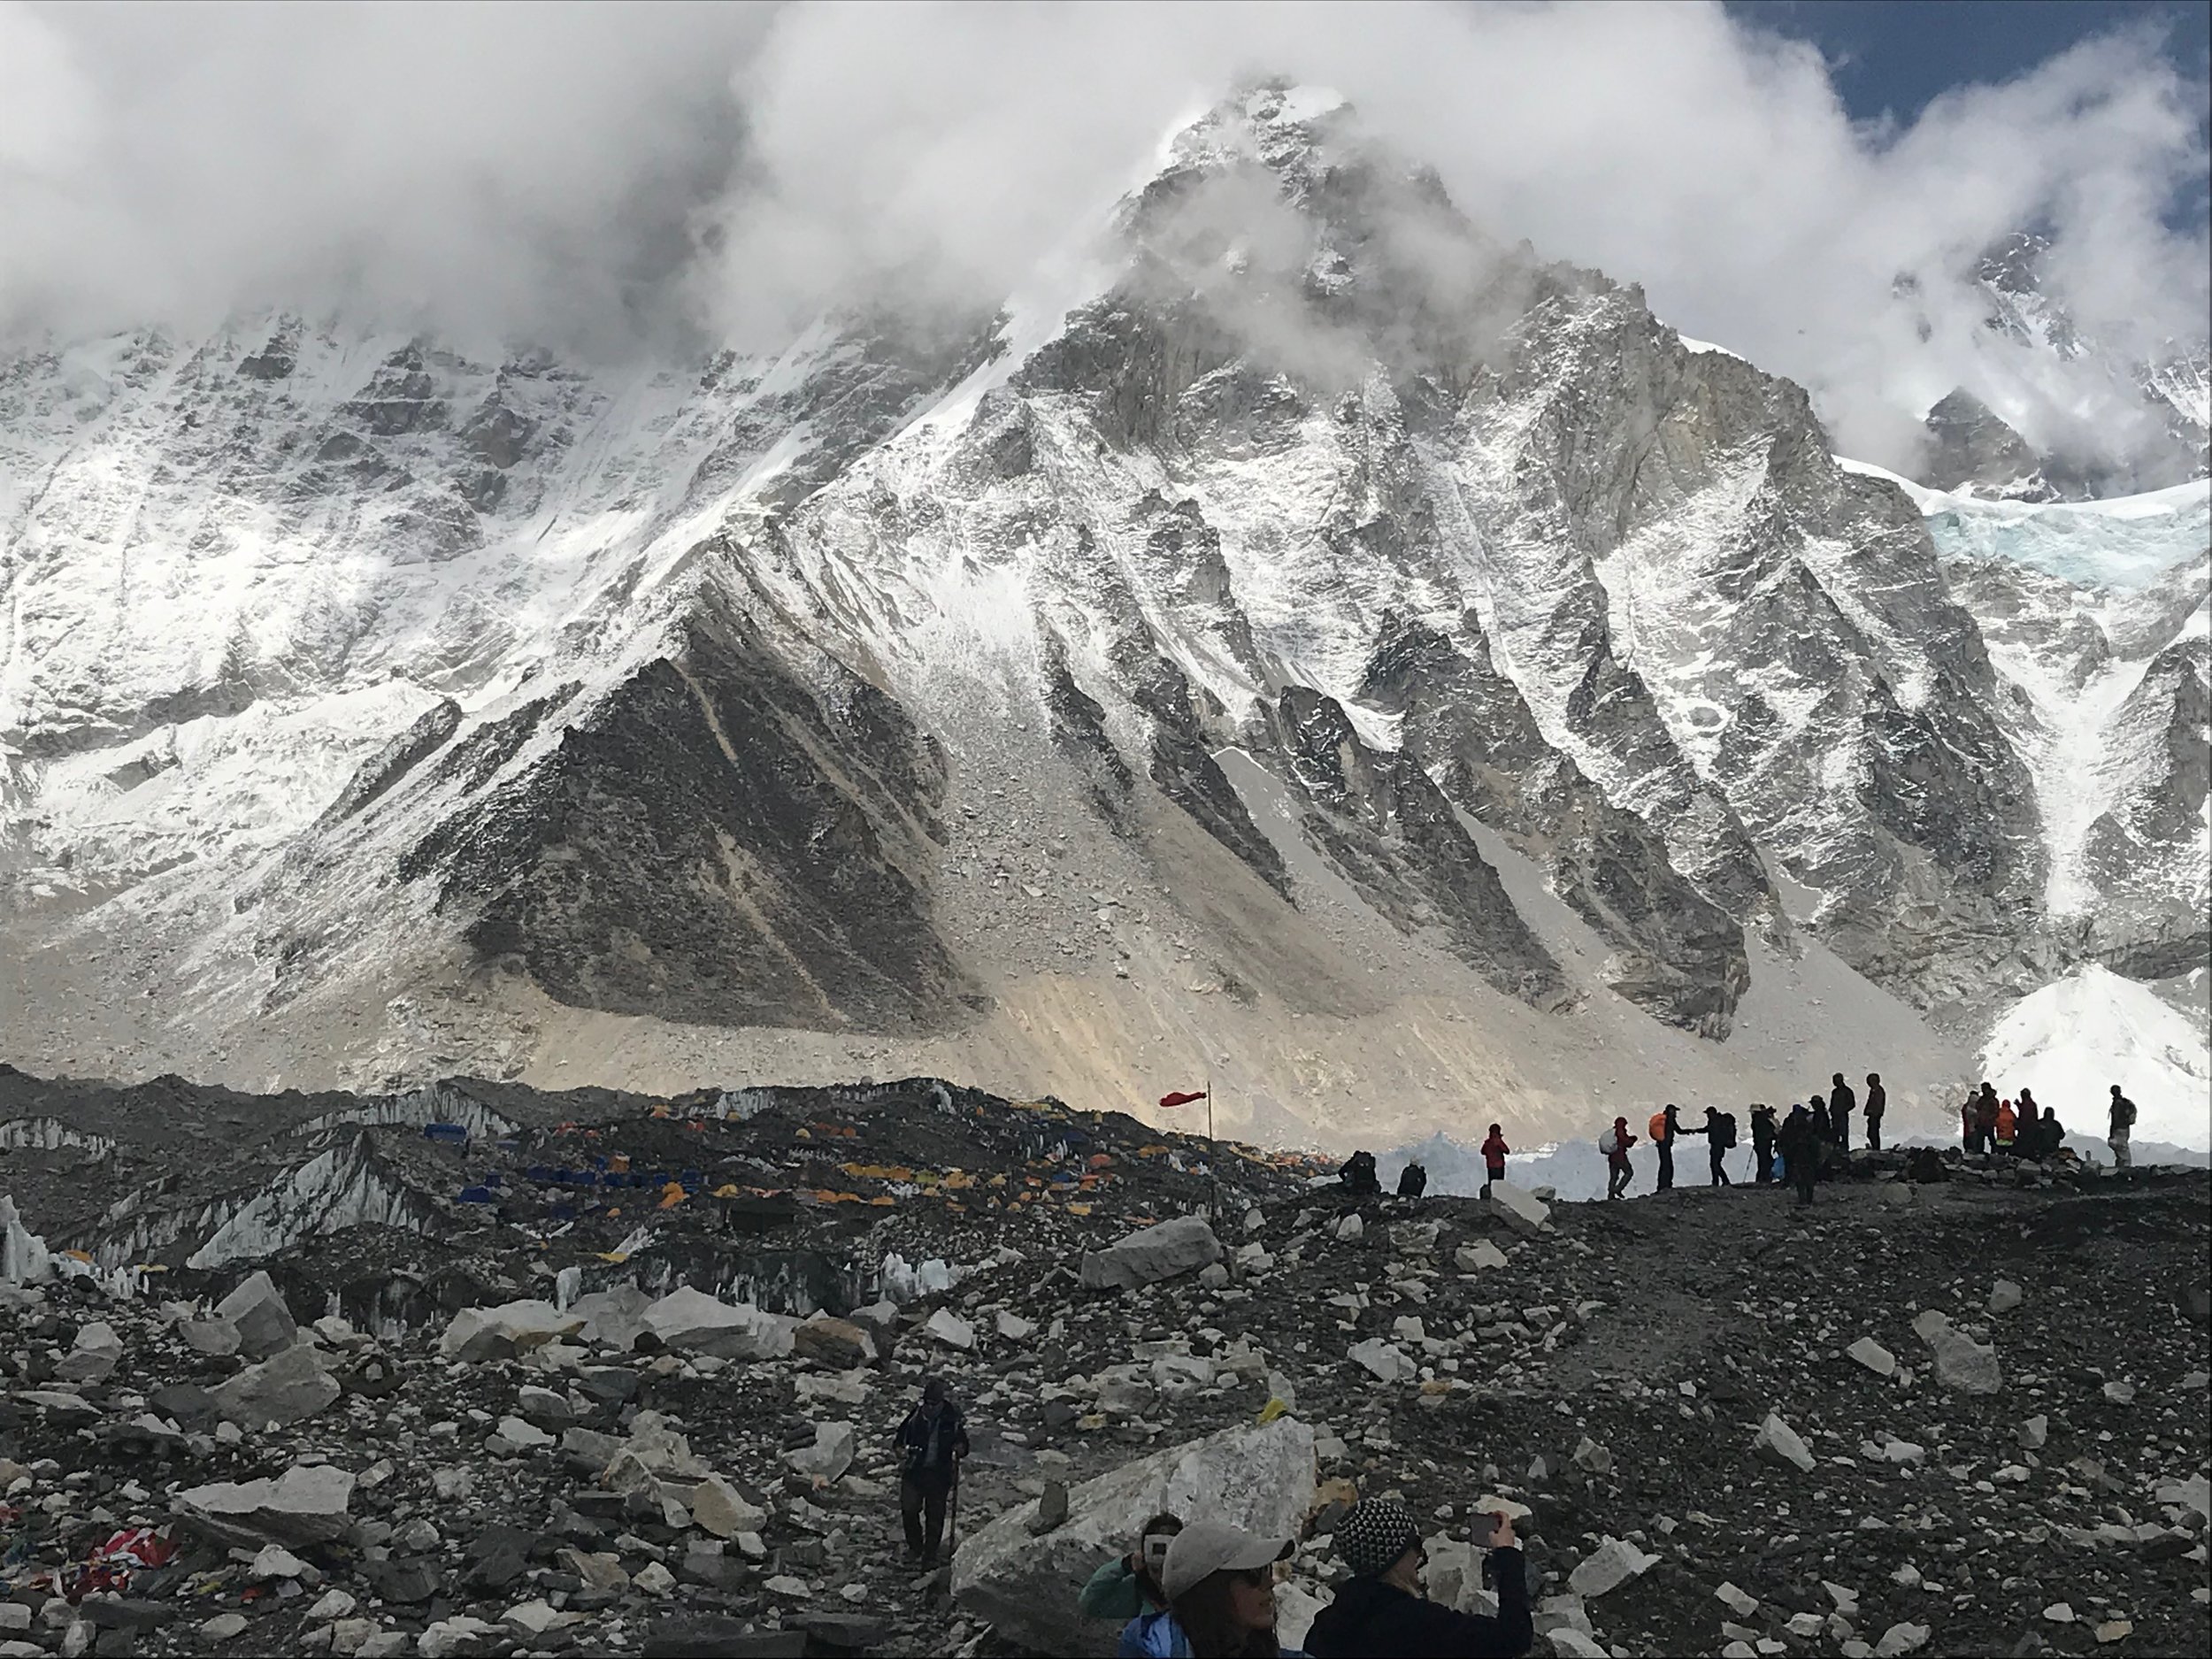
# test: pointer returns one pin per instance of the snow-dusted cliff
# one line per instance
(1314, 640)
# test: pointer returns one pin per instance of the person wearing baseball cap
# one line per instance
(1220, 1586)
(1380, 1611)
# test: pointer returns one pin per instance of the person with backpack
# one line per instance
(1985, 1109)
(1358, 1175)
(1876, 1104)
(1841, 1103)
(1494, 1155)
(2050, 1139)
(1413, 1180)
(1380, 1608)
(1662, 1128)
(931, 1443)
(1763, 1131)
(2121, 1128)
(1801, 1144)
(1128, 1587)
(2007, 1127)
(1719, 1130)
(1615, 1144)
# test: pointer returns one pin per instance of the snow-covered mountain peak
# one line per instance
(1299, 595)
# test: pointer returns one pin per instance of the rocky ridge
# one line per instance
(561, 1406)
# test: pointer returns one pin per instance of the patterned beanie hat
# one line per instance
(1373, 1534)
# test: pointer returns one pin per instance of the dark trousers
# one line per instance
(1874, 1132)
(1666, 1165)
(1496, 1173)
(1843, 1131)
(1804, 1167)
(922, 1501)
(1718, 1156)
(1764, 1154)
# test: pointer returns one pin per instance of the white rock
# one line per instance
(784, 1585)
(1521, 1207)
(1778, 1442)
(257, 1309)
(478, 1334)
(222, 1627)
(1962, 1364)
(332, 1604)
(1901, 1639)
(292, 1385)
(1737, 1602)
(303, 1506)
(719, 1508)
(653, 1579)
(2058, 1613)
(2035, 1431)
(1149, 1255)
(1874, 1356)
(2120, 1394)
(1479, 1256)
(1610, 1565)
(689, 1321)
(835, 1444)
(2004, 1296)
(949, 1328)
(1381, 1359)
(450, 1636)
(1350, 1227)
(93, 1356)
(1013, 1327)
(276, 1561)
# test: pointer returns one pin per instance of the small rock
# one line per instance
(949, 1328)
(2004, 1296)
(1874, 1356)
(1778, 1442)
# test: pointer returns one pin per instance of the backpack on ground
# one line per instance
(1657, 1125)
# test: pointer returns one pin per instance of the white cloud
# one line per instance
(567, 171)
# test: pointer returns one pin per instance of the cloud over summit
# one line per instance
(609, 175)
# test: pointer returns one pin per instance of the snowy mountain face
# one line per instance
(1399, 650)
(2030, 334)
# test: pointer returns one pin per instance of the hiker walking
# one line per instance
(1381, 1610)
(1615, 1144)
(1663, 1126)
(2122, 1126)
(1494, 1155)
(931, 1442)
(1801, 1142)
(1877, 1102)
(1763, 1128)
(1841, 1103)
(1719, 1130)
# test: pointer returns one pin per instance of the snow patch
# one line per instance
(2071, 1041)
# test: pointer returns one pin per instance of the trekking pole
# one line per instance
(952, 1518)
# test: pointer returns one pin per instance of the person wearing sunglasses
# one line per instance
(1220, 1586)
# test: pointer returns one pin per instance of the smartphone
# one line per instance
(1483, 1530)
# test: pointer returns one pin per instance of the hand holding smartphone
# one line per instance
(1492, 1530)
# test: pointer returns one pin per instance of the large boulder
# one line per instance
(688, 1321)
(301, 1506)
(1258, 1478)
(285, 1389)
(838, 1342)
(1152, 1253)
(478, 1334)
(265, 1323)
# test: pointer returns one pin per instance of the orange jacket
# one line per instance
(2006, 1121)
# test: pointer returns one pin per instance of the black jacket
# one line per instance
(1877, 1099)
(1373, 1620)
(931, 1443)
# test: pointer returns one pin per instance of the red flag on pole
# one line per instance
(1182, 1098)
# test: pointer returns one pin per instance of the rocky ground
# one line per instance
(598, 1373)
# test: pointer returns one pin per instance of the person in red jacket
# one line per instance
(1620, 1171)
(1493, 1151)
